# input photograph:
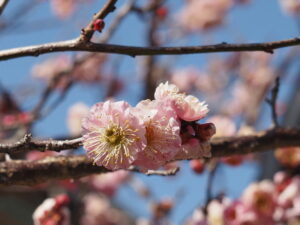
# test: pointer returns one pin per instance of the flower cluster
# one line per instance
(117, 135)
(212, 14)
(265, 202)
(291, 7)
(288, 156)
(53, 211)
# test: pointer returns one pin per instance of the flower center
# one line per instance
(114, 135)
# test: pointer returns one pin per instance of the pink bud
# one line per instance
(197, 166)
(62, 200)
(98, 25)
(162, 12)
(206, 131)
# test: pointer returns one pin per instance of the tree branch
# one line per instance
(76, 45)
(25, 172)
(33, 172)
(27, 144)
(87, 32)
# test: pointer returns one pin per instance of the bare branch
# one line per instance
(76, 45)
(27, 144)
(259, 142)
(32, 172)
(24, 172)
(87, 32)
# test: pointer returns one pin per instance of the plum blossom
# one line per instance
(162, 134)
(97, 210)
(75, 115)
(291, 7)
(236, 213)
(261, 198)
(47, 69)
(110, 182)
(53, 211)
(212, 14)
(63, 8)
(185, 78)
(288, 156)
(113, 135)
(187, 107)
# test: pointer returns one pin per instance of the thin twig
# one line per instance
(28, 144)
(88, 31)
(75, 45)
(273, 100)
(210, 180)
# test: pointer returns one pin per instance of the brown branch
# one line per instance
(25, 172)
(33, 172)
(76, 45)
(88, 31)
(28, 144)
(259, 142)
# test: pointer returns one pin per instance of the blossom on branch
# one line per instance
(53, 211)
(149, 135)
(113, 135)
(187, 107)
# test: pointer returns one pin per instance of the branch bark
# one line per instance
(25, 172)
(77, 45)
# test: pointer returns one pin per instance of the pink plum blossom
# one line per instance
(110, 182)
(187, 107)
(215, 211)
(212, 14)
(236, 213)
(53, 211)
(113, 135)
(288, 156)
(185, 78)
(75, 115)
(162, 134)
(63, 8)
(47, 69)
(97, 210)
(89, 71)
(291, 7)
(261, 198)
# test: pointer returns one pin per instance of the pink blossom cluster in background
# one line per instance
(203, 15)
(265, 202)
(64, 9)
(88, 71)
(288, 156)
(96, 210)
(53, 211)
(291, 7)
(117, 135)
